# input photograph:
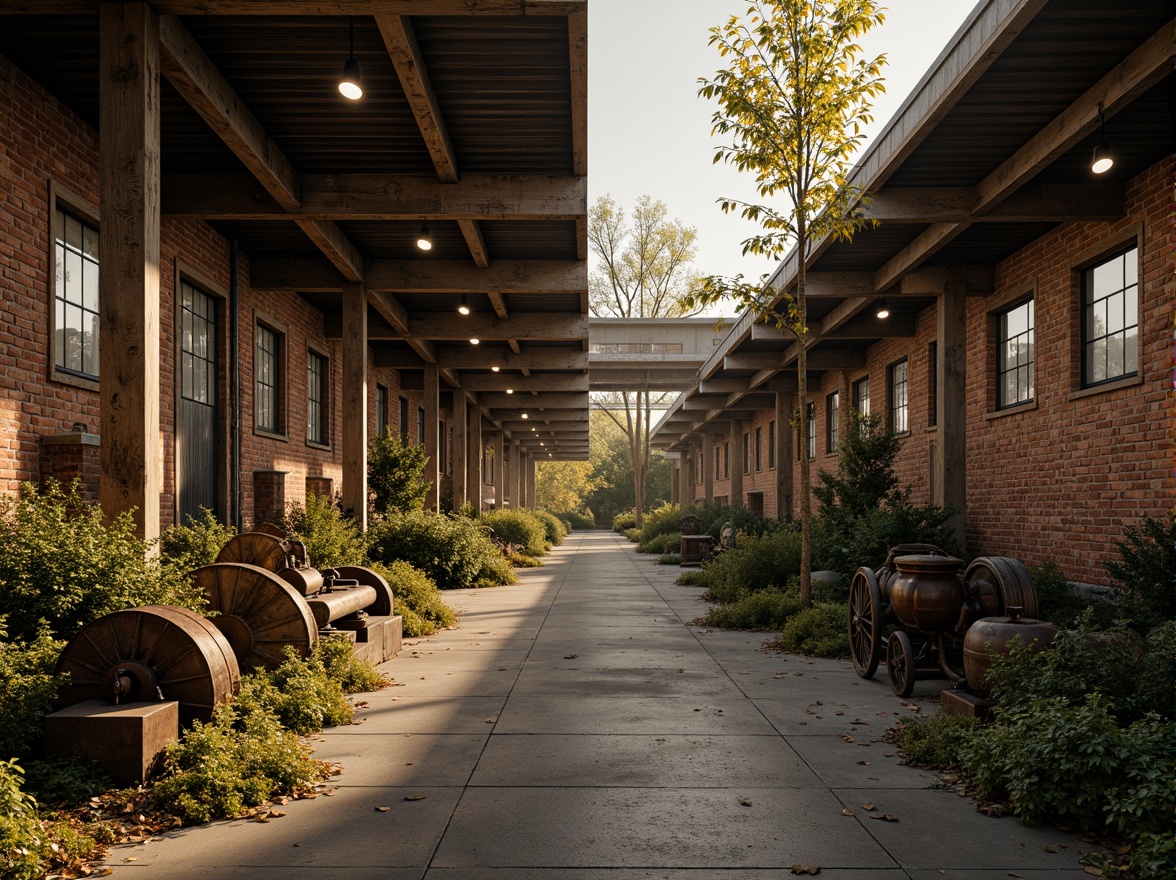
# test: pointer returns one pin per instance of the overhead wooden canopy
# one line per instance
(988, 153)
(473, 121)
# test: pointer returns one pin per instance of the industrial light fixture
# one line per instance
(508, 390)
(474, 340)
(350, 83)
(525, 416)
(424, 240)
(464, 309)
(883, 312)
(1102, 160)
(495, 369)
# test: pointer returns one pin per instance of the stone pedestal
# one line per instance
(269, 496)
(124, 740)
(965, 704)
(66, 457)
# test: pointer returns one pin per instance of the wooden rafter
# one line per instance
(308, 8)
(437, 276)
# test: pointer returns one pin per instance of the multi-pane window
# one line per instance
(1014, 355)
(898, 398)
(759, 445)
(832, 421)
(772, 443)
(810, 422)
(75, 296)
(381, 410)
(317, 382)
(861, 396)
(403, 414)
(1110, 319)
(747, 452)
(268, 379)
(421, 425)
(718, 463)
(197, 345)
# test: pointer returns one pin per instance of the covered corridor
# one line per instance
(576, 726)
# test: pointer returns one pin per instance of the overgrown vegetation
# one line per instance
(31, 845)
(28, 686)
(577, 520)
(396, 481)
(453, 551)
(520, 528)
(331, 538)
(766, 610)
(416, 598)
(554, 529)
(1145, 573)
(196, 543)
(818, 630)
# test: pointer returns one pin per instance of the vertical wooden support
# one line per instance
(499, 470)
(432, 414)
(783, 455)
(737, 465)
(675, 482)
(950, 473)
(128, 288)
(708, 468)
(474, 458)
(355, 400)
(530, 481)
(512, 475)
(459, 453)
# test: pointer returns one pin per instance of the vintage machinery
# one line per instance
(923, 608)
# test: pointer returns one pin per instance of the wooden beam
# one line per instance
(758, 360)
(838, 284)
(869, 327)
(439, 276)
(578, 63)
(520, 326)
(335, 246)
(1094, 202)
(519, 384)
(355, 400)
(476, 358)
(472, 233)
(312, 8)
(977, 280)
(721, 386)
(311, 276)
(548, 400)
(397, 316)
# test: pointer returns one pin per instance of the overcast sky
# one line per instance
(649, 132)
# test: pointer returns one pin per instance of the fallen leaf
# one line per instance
(569, 656)
(1055, 847)
(745, 803)
(276, 814)
(131, 859)
(805, 869)
(864, 763)
(885, 817)
(875, 778)
(381, 809)
(261, 818)
(415, 797)
(847, 812)
(845, 737)
(1015, 874)
(1090, 869)
(491, 720)
(867, 807)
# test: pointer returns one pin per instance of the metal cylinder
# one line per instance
(338, 603)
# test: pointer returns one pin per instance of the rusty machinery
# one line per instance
(924, 608)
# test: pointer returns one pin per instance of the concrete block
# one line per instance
(967, 705)
(124, 740)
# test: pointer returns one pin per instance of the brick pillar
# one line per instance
(269, 496)
(76, 455)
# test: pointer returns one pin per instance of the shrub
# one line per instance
(898, 521)
(937, 741)
(521, 528)
(452, 551)
(755, 564)
(820, 631)
(553, 526)
(331, 538)
(521, 560)
(577, 521)
(65, 782)
(61, 564)
(353, 674)
(396, 481)
(660, 521)
(669, 559)
(24, 849)
(417, 598)
(657, 544)
(495, 570)
(622, 522)
(865, 473)
(188, 547)
(693, 578)
(633, 535)
(746, 523)
(765, 610)
(28, 687)
(1059, 604)
(301, 694)
(1145, 573)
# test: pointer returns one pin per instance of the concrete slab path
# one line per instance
(577, 726)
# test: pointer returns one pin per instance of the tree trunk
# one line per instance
(806, 516)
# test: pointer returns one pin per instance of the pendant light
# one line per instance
(883, 312)
(424, 240)
(1102, 160)
(350, 83)
(464, 308)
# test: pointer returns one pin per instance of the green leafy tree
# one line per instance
(793, 100)
(396, 479)
(563, 485)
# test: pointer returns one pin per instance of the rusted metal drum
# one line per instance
(339, 603)
(157, 652)
(995, 635)
(997, 583)
(382, 607)
(927, 594)
(262, 549)
(258, 612)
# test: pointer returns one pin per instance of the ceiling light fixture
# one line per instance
(525, 416)
(883, 312)
(1102, 160)
(474, 340)
(494, 369)
(464, 309)
(424, 240)
(350, 83)
(508, 390)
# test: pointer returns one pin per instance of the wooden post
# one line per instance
(708, 468)
(511, 497)
(530, 481)
(950, 471)
(128, 286)
(737, 465)
(458, 454)
(784, 455)
(474, 457)
(499, 470)
(676, 482)
(432, 413)
(355, 400)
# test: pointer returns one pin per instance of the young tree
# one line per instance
(642, 270)
(793, 101)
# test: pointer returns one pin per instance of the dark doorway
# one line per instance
(196, 410)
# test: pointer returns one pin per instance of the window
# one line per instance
(421, 425)
(381, 410)
(932, 384)
(268, 380)
(1014, 355)
(861, 396)
(75, 296)
(718, 463)
(403, 423)
(1110, 319)
(197, 345)
(747, 452)
(898, 398)
(832, 421)
(318, 380)
(811, 430)
(772, 444)
(759, 437)
(726, 460)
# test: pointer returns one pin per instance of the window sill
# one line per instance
(1125, 382)
(71, 379)
(271, 435)
(1011, 410)
(326, 447)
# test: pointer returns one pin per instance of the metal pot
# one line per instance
(927, 594)
(995, 635)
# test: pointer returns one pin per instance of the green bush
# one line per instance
(898, 521)
(241, 758)
(669, 559)
(633, 535)
(865, 477)
(188, 547)
(520, 528)
(24, 847)
(300, 694)
(577, 521)
(819, 631)
(1145, 573)
(522, 560)
(61, 564)
(65, 782)
(660, 521)
(746, 523)
(1059, 604)
(353, 674)
(755, 564)
(765, 610)
(28, 687)
(331, 538)
(693, 578)
(396, 481)
(937, 741)
(622, 522)
(452, 551)
(417, 598)
(555, 529)
(657, 544)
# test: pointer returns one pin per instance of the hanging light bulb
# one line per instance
(495, 369)
(474, 340)
(508, 390)
(525, 416)
(464, 309)
(350, 83)
(1102, 160)
(883, 312)
(424, 240)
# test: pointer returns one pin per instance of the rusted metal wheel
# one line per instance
(256, 548)
(368, 578)
(900, 663)
(999, 582)
(865, 622)
(259, 613)
(151, 653)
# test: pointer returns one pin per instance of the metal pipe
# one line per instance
(235, 383)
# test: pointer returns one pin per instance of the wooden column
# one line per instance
(783, 455)
(432, 413)
(355, 400)
(511, 496)
(737, 465)
(708, 468)
(530, 481)
(458, 454)
(949, 471)
(675, 482)
(128, 288)
(474, 457)
(499, 470)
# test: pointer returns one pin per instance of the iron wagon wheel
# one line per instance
(256, 548)
(259, 613)
(148, 652)
(865, 622)
(900, 663)
(382, 607)
(999, 582)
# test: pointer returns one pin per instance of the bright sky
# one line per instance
(649, 132)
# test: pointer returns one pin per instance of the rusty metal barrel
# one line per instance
(157, 652)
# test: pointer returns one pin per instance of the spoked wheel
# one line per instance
(999, 582)
(900, 664)
(383, 605)
(256, 548)
(865, 622)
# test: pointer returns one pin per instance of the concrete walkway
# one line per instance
(575, 726)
